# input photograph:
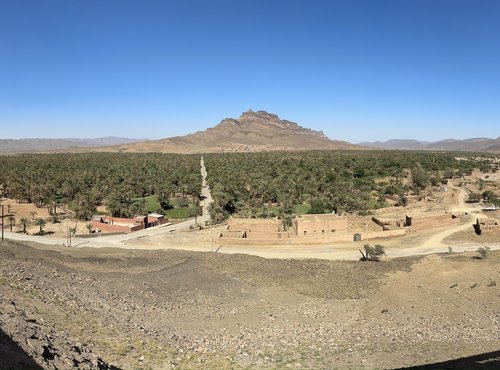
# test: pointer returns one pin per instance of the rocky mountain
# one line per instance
(44, 145)
(468, 145)
(252, 131)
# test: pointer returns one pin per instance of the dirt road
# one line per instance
(205, 192)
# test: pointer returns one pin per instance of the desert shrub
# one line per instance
(403, 201)
(473, 198)
(372, 252)
(483, 252)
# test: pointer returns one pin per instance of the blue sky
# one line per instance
(358, 70)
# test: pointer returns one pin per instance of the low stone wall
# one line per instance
(107, 228)
(383, 234)
(290, 241)
(427, 222)
(308, 240)
(380, 223)
(97, 235)
(259, 235)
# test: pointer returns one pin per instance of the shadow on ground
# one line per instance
(12, 356)
(489, 361)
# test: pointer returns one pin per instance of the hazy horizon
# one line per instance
(358, 71)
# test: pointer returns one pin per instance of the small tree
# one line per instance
(12, 222)
(403, 201)
(24, 222)
(473, 198)
(183, 203)
(217, 213)
(372, 253)
(286, 214)
(40, 222)
(419, 177)
(483, 252)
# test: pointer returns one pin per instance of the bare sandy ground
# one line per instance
(161, 309)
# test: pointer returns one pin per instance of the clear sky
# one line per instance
(358, 70)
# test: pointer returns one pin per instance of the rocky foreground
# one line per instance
(88, 308)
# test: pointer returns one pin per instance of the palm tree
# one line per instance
(12, 222)
(24, 222)
(40, 222)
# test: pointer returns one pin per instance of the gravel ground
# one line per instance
(103, 308)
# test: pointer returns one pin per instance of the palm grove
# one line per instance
(284, 183)
(245, 184)
(81, 182)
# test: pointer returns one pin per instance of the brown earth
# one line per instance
(469, 236)
(168, 309)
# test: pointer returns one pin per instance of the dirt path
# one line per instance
(462, 207)
(205, 192)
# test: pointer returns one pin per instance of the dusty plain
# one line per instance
(169, 308)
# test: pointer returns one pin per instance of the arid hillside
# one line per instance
(97, 308)
(251, 132)
(35, 145)
(481, 144)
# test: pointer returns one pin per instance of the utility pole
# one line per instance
(211, 240)
(68, 232)
(2, 221)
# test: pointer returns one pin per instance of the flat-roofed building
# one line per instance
(320, 224)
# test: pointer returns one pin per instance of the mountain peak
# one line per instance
(252, 131)
(265, 120)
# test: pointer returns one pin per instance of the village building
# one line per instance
(108, 224)
(430, 221)
(320, 224)
(327, 228)
(155, 219)
(486, 226)
(256, 229)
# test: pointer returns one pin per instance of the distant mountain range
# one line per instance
(481, 144)
(45, 145)
(251, 132)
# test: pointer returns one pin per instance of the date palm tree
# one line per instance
(12, 222)
(24, 222)
(40, 222)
